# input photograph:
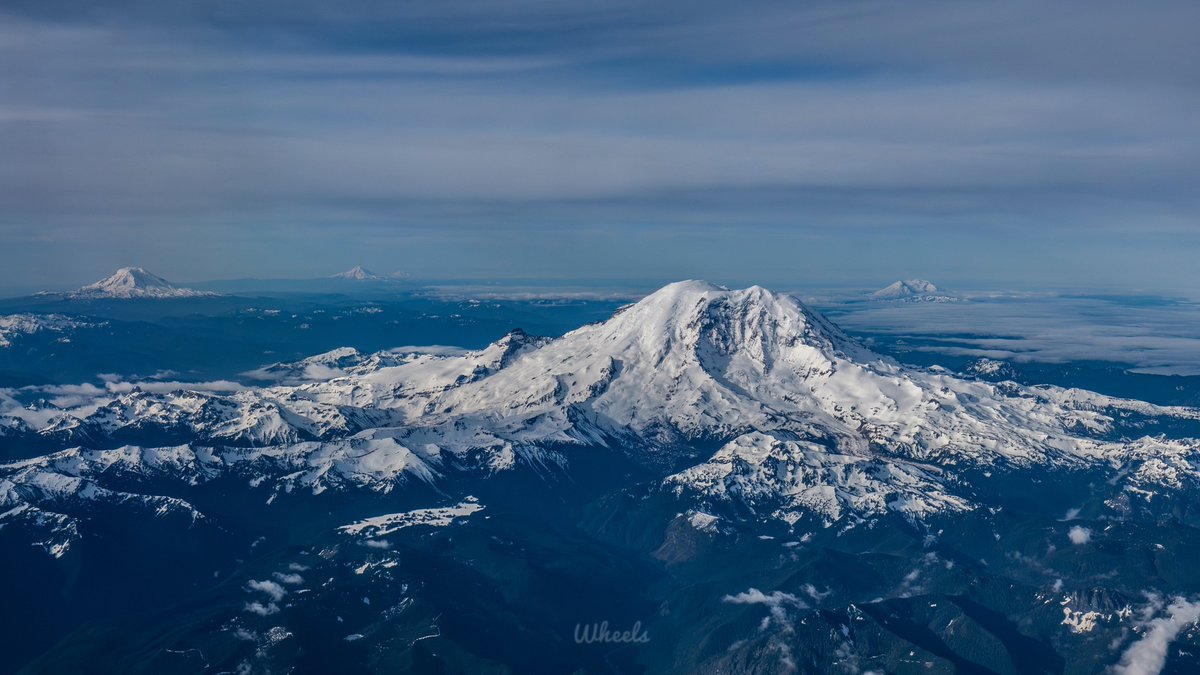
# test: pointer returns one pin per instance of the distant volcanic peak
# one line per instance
(358, 273)
(907, 288)
(135, 282)
(130, 277)
(915, 290)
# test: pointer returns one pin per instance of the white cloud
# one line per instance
(1079, 535)
(320, 371)
(435, 350)
(1161, 337)
(289, 579)
(81, 400)
(271, 588)
(157, 387)
(1148, 655)
(777, 622)
(757, 597)
(261, 609)
(816, 595)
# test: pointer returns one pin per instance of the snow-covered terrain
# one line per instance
(913, 290)
(990, 369)
(807, 421)
(14, 325)
(134, 282)
(379, 526)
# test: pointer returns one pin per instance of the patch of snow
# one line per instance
(14, 325)
(703, 522)
(379, 526)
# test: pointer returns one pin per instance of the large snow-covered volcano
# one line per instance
(806, 422)
(135, 282)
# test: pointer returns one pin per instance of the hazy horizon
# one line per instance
(616, 287)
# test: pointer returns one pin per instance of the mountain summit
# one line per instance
(906, 289)
(357, 273)
(135, 282)
(914, 290)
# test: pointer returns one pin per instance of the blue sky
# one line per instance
(1017, 143)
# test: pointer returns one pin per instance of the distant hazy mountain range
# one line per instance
(131, 283)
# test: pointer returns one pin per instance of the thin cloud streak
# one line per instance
(249, 126)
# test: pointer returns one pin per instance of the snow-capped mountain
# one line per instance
(135, 282)
(906, 288)
(358, 273)
(912, 289)
(808, 423)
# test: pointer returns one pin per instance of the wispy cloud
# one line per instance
(778, 624)
(260, 609)
(457, 133)
(270, 588)
(1148, 655)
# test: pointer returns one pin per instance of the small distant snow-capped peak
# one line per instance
(918, 290)
(135, 282)
(906, 288)
(358, 273)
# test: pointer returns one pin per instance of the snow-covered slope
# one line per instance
(912, 289)
(357, 273)
(135, 282)
(808, 422)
